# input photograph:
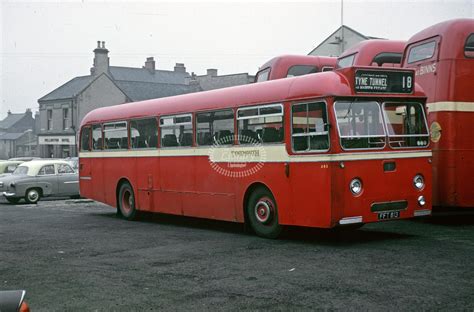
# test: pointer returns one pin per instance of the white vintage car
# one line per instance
(40, 178)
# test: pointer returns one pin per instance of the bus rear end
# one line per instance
(382, 169)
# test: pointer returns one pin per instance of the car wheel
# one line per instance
(32, 196)
(13, 200)
(262, 213)
(126, 202)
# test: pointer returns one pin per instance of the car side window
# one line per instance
(45, 170)
(64, 169)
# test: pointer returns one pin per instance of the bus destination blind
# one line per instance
(369, 81)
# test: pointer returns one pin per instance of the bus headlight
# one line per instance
(355, 186)
(418, 181)
(421, 200)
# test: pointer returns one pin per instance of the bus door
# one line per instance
(144, 144)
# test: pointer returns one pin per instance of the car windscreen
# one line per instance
(20, 170)
(360, 125)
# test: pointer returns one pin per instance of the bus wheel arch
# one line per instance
(261, 211)
(126, 200)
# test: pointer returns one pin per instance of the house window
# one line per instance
(65, 118)
(49, 114)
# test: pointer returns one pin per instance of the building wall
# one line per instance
(101, 92)
(209, 82)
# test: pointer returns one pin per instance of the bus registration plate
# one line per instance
(387, 215)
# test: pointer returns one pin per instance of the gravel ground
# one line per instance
(78, 256)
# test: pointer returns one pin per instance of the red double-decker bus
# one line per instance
(331, 149)
(443, 59)
(285, 66)
(373, 52)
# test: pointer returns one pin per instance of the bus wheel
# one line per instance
(262, 214)
(32, 196)
(126, 202)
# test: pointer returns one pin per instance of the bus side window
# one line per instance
(262, 75)
(469, 46)
(96, 137)
(143, 133)
(309, 127)
(85, 139)
(115, 135)
(176, 130)
(422, 52)
(215, 128)
(261, 124)
(300, 70)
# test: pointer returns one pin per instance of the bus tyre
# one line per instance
(126, 202)
(32, 196)
(262, 214)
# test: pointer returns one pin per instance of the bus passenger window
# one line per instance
(176, 130)
(300, 70)
(421, 52)
(346, 61)
(143, 133)
(115, 135)
(262, 75)
(85, 139)
(469, 47)
(96, 137)
(310, 127)
(215, 128)
(262, 124)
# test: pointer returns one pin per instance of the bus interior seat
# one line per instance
(123, 143)
(248, 136)
(186, 139)
(153, 141)
(318, 142)
(225, 137)
(204, 138)
(300, 143)
(270, 135)
(169, 140)
(281, 132)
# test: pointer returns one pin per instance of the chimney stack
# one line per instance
(150, 64)
(9, 112)
(179, 68)
(101, 59)
(212, 72)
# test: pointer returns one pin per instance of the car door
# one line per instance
(68, 180)
(47, 179)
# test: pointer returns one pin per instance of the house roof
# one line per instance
(127, 74)
(145, 75)
(337, 30)
(139, 91)
(70, 89)
(10, 120)
(11, 136)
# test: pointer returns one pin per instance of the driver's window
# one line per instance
(48, 169)
(62, 169)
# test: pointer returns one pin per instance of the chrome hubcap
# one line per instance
(32, 195)
(263, 211)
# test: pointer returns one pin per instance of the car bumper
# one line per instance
(9, 194)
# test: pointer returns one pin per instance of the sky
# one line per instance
(44, 44)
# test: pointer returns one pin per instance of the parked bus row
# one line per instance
(443, 59)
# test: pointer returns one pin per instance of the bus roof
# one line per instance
(337, 83)
(453, 33)
(367, 50)
(279, 65)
